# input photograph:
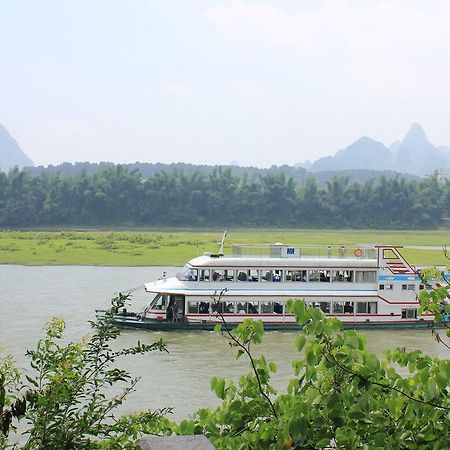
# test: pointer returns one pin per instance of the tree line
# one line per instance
(119, 196)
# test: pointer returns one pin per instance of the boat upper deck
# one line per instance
(280, 255)
(366, 251)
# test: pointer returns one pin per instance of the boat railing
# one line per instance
(305, 251)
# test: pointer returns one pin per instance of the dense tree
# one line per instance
(118, 195)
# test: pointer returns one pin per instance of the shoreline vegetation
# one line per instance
(173, 247)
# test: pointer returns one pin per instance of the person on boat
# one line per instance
(169, 311)
(175, 309)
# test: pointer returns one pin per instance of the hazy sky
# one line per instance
(211, 81)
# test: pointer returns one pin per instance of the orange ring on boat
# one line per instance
(358, 252)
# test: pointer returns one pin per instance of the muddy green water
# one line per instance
(31, 296)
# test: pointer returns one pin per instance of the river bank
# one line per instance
(175, 247)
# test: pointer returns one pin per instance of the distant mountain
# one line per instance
(417, 155)
(414, 155)
(304, 165)
(365, 153)
(11, 154)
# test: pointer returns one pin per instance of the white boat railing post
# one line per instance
(222, 243)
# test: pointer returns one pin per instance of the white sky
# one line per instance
(210, 81)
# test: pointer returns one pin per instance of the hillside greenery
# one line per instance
(119, 196)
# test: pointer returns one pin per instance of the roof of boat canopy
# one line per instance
(232, 262)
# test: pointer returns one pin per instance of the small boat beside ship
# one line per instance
(370, 286)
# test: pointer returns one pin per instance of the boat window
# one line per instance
(345, 276)
(253, 307)
(203, 308)
(366, 276)
(278, 308)
(295, 275)
(193, 307)
(349, 307)
(386, 287)
(272, 275)
(204, 275)
(409, 313)
(408, 287)
(159, 302)
(266, 307)
(187, 274)
(253, 275)
(314, 275)
(218, 275)
(248, 275)
(323, 306)
(228, 274)
(242, 275)
(277, 275)
(241, 307)
(229, 307)
(361, 307)
(266, 275)
(343, 307)
(366, 307)
(217, 307)
(324, 275)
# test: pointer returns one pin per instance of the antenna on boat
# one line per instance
(223, 242)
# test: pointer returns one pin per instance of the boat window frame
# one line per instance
(301, 275)
(164, 297)
(226, 306)
(371, 308)
(187, 273)
(189, 303)
(253, 304)
(406, 313)
(324, 305)
(202, 275)
(337, 277)
(371, 276)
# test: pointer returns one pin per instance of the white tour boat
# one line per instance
(367, 286)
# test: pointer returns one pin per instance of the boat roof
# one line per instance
(231, 262)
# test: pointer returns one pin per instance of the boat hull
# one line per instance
(163, 325)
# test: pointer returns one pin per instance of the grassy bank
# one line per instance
(147, 248)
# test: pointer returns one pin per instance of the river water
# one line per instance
(31, 296)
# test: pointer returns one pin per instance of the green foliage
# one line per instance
(64, 398)
(342, 396)
(117, 195)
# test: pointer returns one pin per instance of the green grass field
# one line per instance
(150, 248)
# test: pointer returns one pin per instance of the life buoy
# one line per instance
(358, 252)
